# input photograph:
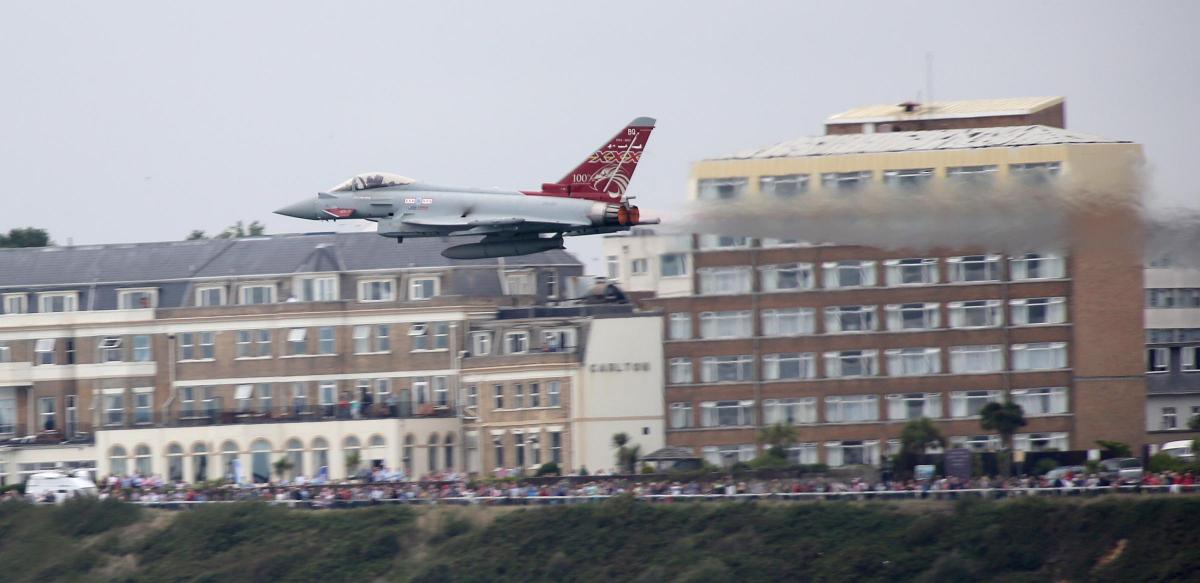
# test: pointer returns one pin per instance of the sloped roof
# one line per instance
(997, 137)
(268, 255)
(671, 453)
(945, 110)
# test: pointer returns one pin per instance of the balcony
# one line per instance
(21, 435)
(203, 416)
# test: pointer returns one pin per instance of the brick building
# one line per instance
(848, 343)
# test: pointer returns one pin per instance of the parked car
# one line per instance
(1126, 468)
(1062, 471)
(1179, 449)
(44, 486)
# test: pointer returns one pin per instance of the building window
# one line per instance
(422, 288)
(110, 349)
(554, 394)
(253, 343)
(787, 277)
(788, 322)
(325, 340)
(839, 319)
(257, 294)
(726, 324)
(498, 448)
(720, 188)
(971, 178)
(851, 363)
(317, 289)
(1173, 297)
(535, 395)
(518, 396)
(849, 274)
(1044, 401)
(58, 302)
(681, 371)
(681, 415)
(614, 266)
(519, 283)
(915, 271)
(556, 447)
(851, 408)
(974, 268)
(481, 343)
(377, 290)
(1040, 442)
(8, 414)
(1039, 356)
(1158, 359)
(976, 359)
(909, 406)
(137, 299)
(790, 411)
(922, 316)
(1189, 356)
(639, 266)
(143, 407)
(726, 413)
(784, 186)
(5, 352)
(47, 411)
(114, 409)
(1035, 174)
(472, 395)
(549, 283)
(851, 453)
(558, 340)
(718, 369)
(210, 296)
(43, 351)
(976, 314)
(15, 304)
(1172, 335)
(441, 392)
(196, 345)
(1037, 266)
(725, 280)
(911, 180)
(1169, 418)
(727, 455)
(673, 264)
(969, 403)
(910, 362)
(976, 442)
(845, 182)
(1033, 311)
(679, 326)
(789, 366)
(802, 453)
(297, 341)
(141, 349)
(497, 396)
(516, 342)
(712, 242)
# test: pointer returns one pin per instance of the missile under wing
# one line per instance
(589, 200)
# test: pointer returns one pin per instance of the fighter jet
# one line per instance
(589, 200)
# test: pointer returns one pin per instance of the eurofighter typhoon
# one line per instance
(589, 200)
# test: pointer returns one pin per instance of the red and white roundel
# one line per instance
(339, 213)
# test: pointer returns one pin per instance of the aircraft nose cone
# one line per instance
(305, 209)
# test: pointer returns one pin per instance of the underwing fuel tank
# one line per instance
(502, 248)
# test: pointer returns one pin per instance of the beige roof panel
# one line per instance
(945, 110)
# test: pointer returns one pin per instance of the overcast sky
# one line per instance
(140, 121)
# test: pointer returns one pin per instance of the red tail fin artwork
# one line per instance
(605, 174)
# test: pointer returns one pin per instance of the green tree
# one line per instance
(234, 231)
(352, 460)
(627, 455)
(1194, 423)
(196, 234)
(777, 438)
(282, 466)
(25, 237)
(1004, 418)
(917, 436)
(1113, 448)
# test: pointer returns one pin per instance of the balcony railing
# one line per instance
(51, 434)
(283, 414)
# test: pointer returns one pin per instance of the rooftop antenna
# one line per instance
(929, 76)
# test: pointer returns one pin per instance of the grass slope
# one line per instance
(1111, 539)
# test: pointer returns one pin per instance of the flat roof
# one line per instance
(945, 110)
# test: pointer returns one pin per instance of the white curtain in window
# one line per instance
(833, 453)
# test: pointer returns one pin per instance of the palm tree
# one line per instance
(777, 438)
(917, 436)
(627, 455)
(1005, 418)
(282, 466)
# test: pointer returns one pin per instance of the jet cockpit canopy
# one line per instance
(372, 180)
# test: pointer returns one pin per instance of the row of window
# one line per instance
(867, 451)
(518, 341)
(1172, 335)
(306, 289)
(527, 446)
(846, 319)
(862, 408)
(907, 180)
(518, 395)
(1173, 297)
(261, 460)
(859, 274)
(917, 361)
(1169, 418)
(1159, 359)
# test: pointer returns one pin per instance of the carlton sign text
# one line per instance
(619, 367)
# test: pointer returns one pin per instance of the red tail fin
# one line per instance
(606, 173)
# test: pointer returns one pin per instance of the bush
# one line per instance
(1044, 465)
(1165, 462)
(648, 469)
(548, 469)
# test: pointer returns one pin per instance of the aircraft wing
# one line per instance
(472, 222)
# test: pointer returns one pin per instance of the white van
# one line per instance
(1179, 449)
(61, 486)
